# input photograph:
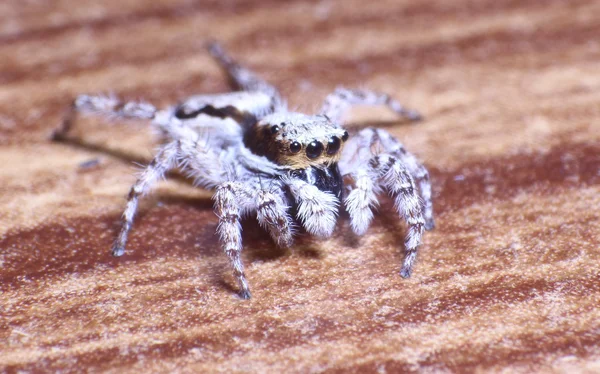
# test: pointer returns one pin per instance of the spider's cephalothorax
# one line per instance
(286, 167)
(310, 146)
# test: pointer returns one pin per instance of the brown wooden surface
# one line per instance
(508, 280)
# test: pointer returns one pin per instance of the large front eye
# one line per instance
(314, 149)
(333, 145)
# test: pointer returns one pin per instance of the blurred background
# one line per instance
(507, 281)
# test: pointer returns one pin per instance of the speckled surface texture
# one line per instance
(509, 281)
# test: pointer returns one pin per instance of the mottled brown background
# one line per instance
(508, 280)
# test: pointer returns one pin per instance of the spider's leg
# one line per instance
(271, 213)
(338, 102)
(241, 77)
(165, 160)
(397, 179)
(416, 170)
(230, 200)
(109, 106)
(193, 157)
(317, 210)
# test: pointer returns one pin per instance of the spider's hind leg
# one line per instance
(337, 103)
(242, 78)
(109, 106)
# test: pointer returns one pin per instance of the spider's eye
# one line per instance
(333, 145)
(295, 147)
(314, 149)
(345, 136)
(274, 129)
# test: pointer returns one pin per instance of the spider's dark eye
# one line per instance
(333, 145)
(345, 136)
(314, 149)
(295, 147)
(274, 129)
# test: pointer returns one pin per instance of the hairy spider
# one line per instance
(287, 167)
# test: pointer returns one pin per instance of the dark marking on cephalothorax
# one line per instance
(243, 118)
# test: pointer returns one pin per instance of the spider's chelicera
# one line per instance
(288, 168)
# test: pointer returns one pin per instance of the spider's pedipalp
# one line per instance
(361, 200)
(317, 210)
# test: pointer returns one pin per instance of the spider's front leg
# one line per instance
(415, 168)
(231, 199)
(271, 213)
(342, 99)
(397, 179)
(387, 170)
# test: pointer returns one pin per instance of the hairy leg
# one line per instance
(416, 170)
(371, 168)
(241, 77)
(396, 178)
(193, 158)
(230, 201)
(337, 103)
(357, 153)
(271, 212)
(109, 106)
(164, 160)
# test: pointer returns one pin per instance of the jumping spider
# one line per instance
(287, 167)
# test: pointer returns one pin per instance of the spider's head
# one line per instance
(297, 140)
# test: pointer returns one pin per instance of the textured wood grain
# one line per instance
(509, 280)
